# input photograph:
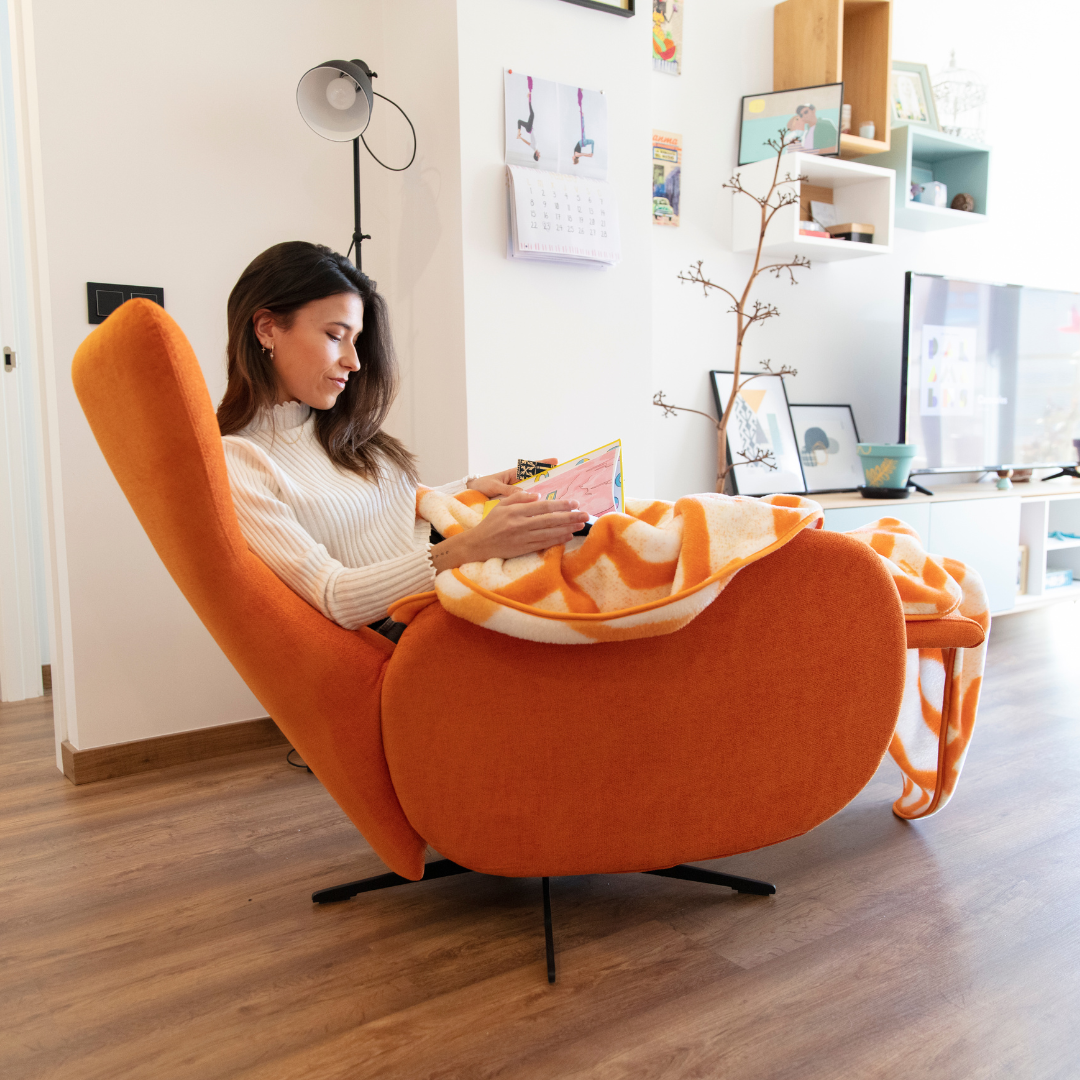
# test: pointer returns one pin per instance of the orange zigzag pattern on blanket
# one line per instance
(653, 569)
(941, 697)
(644, 572)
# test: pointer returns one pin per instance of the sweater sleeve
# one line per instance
(351, 597)
(456, 487)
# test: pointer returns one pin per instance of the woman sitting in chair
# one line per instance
(324, 496)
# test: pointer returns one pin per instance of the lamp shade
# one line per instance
(335, 99)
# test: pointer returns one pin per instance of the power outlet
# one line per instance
(103, 299)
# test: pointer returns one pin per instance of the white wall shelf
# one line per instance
(960, 165)
(984, 527)
(861, 193)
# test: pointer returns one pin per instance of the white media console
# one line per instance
(984, 527)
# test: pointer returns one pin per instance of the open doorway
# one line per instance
(24, 642)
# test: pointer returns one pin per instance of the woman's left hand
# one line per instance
(499, 484)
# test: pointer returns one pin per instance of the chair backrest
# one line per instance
(143, 392)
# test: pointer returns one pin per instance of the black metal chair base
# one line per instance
(442, 868)
(446, 868)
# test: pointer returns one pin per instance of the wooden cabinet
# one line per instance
(984, 527)
(849, 41)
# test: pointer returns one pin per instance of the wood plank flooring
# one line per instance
(160, 926)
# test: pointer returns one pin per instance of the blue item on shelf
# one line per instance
(1058, 534)
(1059, 578)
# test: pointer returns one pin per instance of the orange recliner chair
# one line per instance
(754, 723)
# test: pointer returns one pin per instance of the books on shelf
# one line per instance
(563, 219)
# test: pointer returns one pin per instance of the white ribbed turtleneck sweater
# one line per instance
(347, 545)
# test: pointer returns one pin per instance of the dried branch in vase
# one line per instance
(747, 313)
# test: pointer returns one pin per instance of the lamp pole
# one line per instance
(358, 236)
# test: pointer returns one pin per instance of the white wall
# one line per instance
(558, 357)
(172, 152)
(841, 326)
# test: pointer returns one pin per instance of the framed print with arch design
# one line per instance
(826, 436)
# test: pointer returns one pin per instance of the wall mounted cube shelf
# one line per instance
(861, 193)
(849, 41)
(960, 165)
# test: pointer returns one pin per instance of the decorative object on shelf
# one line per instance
(558, 127)
(771, 462)
(1004, 480)
(854, 231)
(562, 219)
(827, 41)
(667, 36)
(886, 465)
(1058, 578)
(1021, 569)
(961, 95)
(616, 7)
(845, 118)
(335, 99)
(823, 214)
(912, 97)
(867, 129)
(667, 154)
(826, 437)
(931, 193)
(964, 202)
(748, 314)
(809, 117)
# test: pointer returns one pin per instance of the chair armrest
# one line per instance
(950, 632)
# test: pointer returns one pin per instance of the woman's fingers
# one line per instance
(551, 506)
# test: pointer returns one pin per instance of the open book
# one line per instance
(594, 480)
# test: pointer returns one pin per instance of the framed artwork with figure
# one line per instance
(760, 422)
(826, 436)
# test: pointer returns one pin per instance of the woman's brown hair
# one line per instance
(282, 280)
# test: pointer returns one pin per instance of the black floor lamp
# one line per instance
(335, 99)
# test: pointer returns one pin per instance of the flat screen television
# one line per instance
(991, 375)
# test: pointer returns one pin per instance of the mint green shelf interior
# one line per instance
(960, 165)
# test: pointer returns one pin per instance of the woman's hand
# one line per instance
(521, 523)
(501, 483)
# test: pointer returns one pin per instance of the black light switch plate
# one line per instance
(103, 299)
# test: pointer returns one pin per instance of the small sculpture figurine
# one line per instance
(964, 201)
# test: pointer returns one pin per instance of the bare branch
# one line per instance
(671, 410)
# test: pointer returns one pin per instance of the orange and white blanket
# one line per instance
(651, 570)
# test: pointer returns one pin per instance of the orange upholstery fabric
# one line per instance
(953, 631)
(757, 721)
(143, 392)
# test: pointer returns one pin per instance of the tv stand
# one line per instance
(984, 526)
(1067, 470)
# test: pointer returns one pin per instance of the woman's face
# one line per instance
(314, 357)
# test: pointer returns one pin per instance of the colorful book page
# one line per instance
(594, 480)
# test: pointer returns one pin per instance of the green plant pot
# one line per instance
(886, 465)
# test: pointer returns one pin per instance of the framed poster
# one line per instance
(826, 437)
(809, 118)
(760, 421)
(912, 97)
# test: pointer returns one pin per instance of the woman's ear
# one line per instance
(263, 322)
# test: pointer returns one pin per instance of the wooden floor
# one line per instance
(160, 926)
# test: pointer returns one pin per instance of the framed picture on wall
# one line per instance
(616, 7)
(911, 100)
(826, 437)
(760, 421)
(809, 119)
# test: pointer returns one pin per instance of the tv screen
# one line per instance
(991, 375)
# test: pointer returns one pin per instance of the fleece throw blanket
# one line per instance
(652, 569)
